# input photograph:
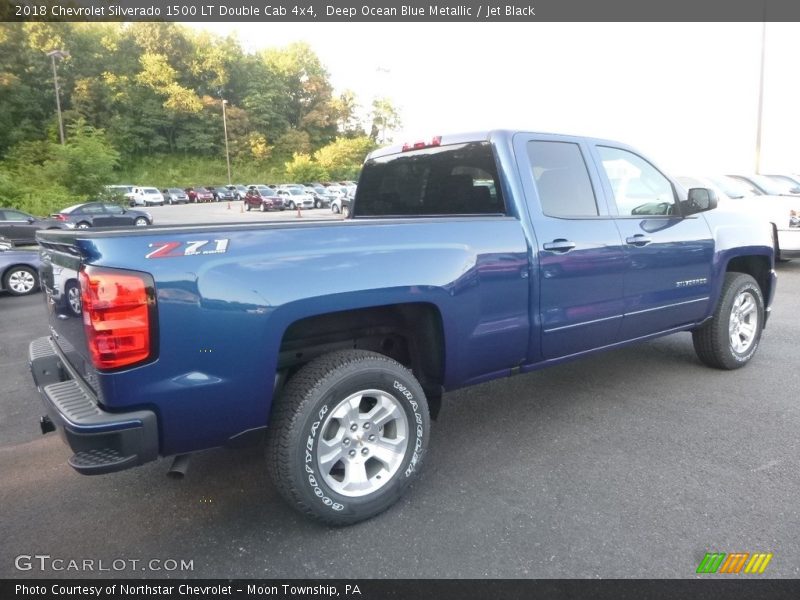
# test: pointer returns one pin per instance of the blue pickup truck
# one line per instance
(466, 258)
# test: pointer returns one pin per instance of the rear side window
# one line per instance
(562, 179)
(459, 179)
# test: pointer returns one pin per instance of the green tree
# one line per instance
(385, 118)
(343, 157)
(303, 168)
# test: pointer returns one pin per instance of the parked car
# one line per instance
(102, 214)
(321, 197)
(263, 198)
(20, 227)
(346, 201)
(239, 189)
(175, 196)
(146, 196)
(199, 194)
(19, 269)
(223, 194)
(294, 197)
(119, 193)
(761, 184)
(792, 181)
(781, 212)
(336, 203)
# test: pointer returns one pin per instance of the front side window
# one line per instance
(562, 180)
(639, 188)
(114, 209)
(458, 179)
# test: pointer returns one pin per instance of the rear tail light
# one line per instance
(118, 316)
(58, 217)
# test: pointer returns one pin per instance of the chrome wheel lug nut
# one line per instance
(364, 451)
(366, 425)
(372, 437)
(352, 453)
(353, 427)
(346, 441)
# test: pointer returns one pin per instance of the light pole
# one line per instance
(759, 132)
(60, 54)
(227, 153)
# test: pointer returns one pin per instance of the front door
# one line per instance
(669, 256)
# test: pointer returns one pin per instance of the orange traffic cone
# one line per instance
(299, 215)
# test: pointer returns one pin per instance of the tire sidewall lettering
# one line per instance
(313, 479)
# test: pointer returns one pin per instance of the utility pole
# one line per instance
(225, 128)
(60, 54)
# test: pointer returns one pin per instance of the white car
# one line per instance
(145, 196)
(294, 197)
(782, 211)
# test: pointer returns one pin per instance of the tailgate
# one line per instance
(61, 262)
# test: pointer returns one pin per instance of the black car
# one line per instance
(102, 214)
(224, 194)
(21, 228)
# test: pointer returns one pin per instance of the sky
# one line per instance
(685, 94)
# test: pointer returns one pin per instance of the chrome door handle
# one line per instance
(638, 240)
(559, 245)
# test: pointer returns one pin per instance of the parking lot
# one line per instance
(632, 463)
(227, 212)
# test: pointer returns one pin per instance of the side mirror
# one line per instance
(31, 220)
(700, 200)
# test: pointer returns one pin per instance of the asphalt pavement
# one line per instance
(632, 463)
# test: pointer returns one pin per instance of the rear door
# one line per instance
(668, 256)
(581, 261)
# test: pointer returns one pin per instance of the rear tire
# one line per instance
(347, 436)
(20, 281)
(731, 337)
(82, 225)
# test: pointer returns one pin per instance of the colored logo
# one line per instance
(738, 562)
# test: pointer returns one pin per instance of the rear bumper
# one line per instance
(103, 442)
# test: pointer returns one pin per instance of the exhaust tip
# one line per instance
(180, 464)
(46, 425)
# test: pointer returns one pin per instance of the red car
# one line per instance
(199, 194)
(263, 198)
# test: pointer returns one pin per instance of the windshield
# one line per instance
(151, 191)
(771, 186)
(296, 192)
(733, 188)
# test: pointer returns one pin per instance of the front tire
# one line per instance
(82, 225)
(141, 222)
(731, 337)
(347, 436)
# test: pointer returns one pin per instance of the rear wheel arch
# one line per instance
(410, 333)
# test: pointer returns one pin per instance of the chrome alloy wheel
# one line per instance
(74, 299)
(743, 323)
(21, 282)
(363, 442)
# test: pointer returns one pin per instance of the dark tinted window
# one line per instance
(562, 179)
(113, 208)
(447, 180)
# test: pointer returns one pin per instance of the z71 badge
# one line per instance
(199, 247)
